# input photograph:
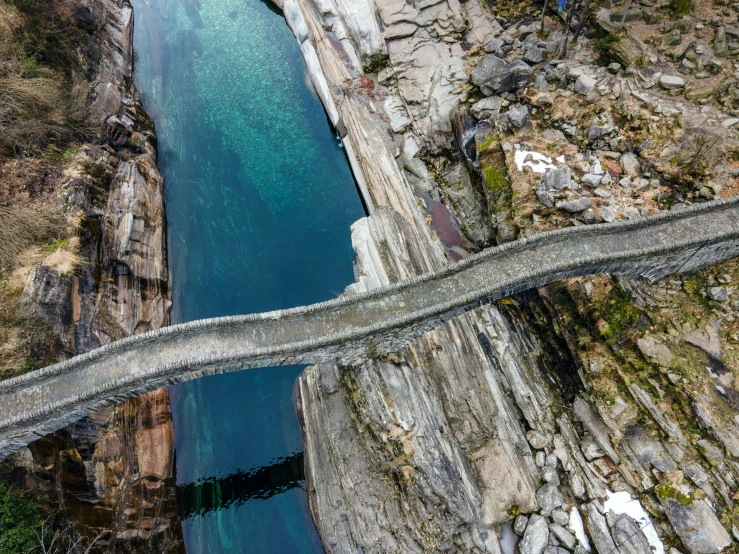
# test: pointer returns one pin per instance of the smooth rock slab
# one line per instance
(536, 536)
(574, 206)
(670, 82)
(585, 85)
(549, 497)
(697, 526)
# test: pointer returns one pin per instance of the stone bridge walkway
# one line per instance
(352, 328)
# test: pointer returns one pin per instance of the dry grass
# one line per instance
(22, 226)
(41, 103)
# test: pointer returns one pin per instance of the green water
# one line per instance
(259, 202)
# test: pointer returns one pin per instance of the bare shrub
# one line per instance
(64, 540)
(24, 226)
(697, 151)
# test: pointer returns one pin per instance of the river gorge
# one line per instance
(259, 199)
(302, 149)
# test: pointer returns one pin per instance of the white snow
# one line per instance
(577, 526)
(538, 163)
(560, 159)
(508, 539)
(622, 503)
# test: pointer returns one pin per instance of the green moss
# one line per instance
(54, 246)
(606, 43)
(666, 491)
(619, 313)
(69, 152)
(20, 522)
(682, 7)
(376, 64)
(30, 365)
(495, 179)
(487, 142)
(513, 511)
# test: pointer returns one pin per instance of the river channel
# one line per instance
(259, 199)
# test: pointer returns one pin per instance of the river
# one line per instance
(259, 200)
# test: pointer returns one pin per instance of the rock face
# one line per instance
(112, 471)
(429, 449)
(494, 75)
(466, 205)
(536, 536)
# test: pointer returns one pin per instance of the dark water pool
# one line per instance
(259, 203)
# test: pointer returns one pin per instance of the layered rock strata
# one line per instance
(111, 472)
(489, 417)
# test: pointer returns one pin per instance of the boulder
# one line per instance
(630, 164)
(627, 16)
(505, 232)
(557, 179)
(574, 206)
(584, 84)
(591, 180)
(719, 41)
(718, 293)
(655, 351)
(544, 196)
(563, 535)
(487, 107)
(519, 117)
(599, 531)
(671, 82)
(494, 75)
(560, 517)
(549, 497)
(495, 46)
(538, 439)
(697, 525)
(532, 53)
(519, 525)
(536, 536)
(608, 214)
(601, 125)
(629, 537)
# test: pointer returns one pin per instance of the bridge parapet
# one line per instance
(352, 328)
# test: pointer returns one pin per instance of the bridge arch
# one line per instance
(353, 327)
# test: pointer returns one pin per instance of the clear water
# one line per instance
(259, 201)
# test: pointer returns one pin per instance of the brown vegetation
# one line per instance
(23, 226)
(39, 104)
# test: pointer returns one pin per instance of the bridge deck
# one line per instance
(44, 400)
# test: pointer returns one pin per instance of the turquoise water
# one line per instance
(259, 201)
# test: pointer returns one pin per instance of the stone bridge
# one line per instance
(355, 327)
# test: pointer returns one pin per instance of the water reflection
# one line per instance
(216, 493)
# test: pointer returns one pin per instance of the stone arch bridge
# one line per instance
(355, 327)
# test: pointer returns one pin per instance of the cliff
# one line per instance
(543, 408)
(111, 473)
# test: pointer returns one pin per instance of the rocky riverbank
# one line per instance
(109, 474)
(467, 125)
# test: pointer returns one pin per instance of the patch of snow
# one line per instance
(622, 503)
(560, 159)
(538, 163)
(508, 539)
(578, 528)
